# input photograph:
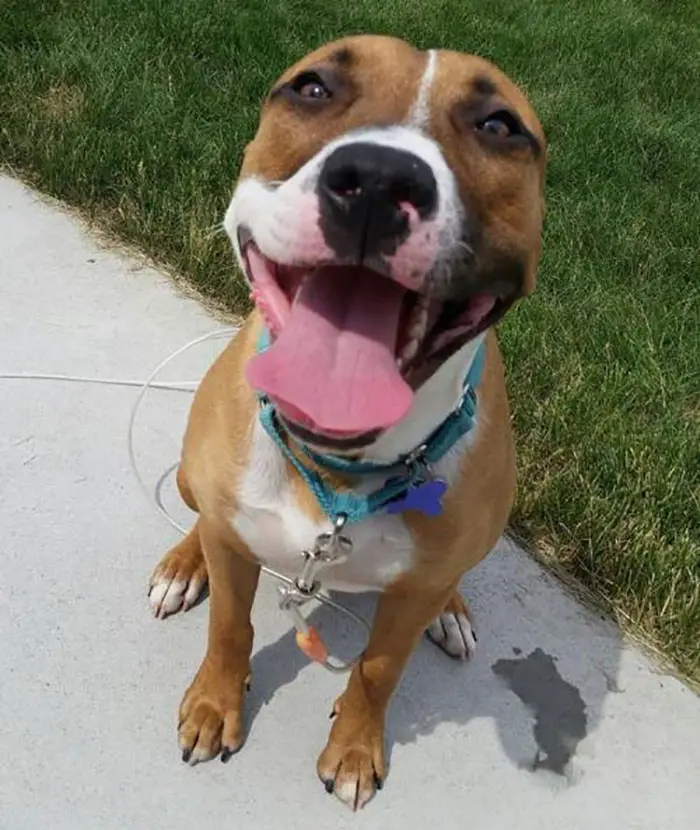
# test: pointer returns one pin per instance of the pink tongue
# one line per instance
(333, 366)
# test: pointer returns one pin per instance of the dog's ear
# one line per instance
(531, 265)
(531, 246)
(530, 273)
(533, 259)
(249, 162)
(510, 263)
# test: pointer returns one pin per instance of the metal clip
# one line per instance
(306, 582)
(416, 463)
(468, 391)
(416, 457)
(334, 546)
(329, 548)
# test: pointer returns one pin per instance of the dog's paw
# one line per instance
(352, 764)
(453, 631)
(211, 716)
(178, 580)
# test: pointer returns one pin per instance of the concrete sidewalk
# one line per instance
(555, 723)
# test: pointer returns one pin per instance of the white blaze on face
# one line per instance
(420, 112)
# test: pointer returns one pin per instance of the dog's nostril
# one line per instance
(345, 182)
(412, 193)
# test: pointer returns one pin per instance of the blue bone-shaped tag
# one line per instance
(424, 496)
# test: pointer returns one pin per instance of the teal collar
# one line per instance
(409, 485)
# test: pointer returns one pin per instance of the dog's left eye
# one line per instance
(311, 86)
(501, 124)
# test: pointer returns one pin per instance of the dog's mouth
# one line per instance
(346, 342)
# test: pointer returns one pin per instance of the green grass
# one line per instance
(137, 111)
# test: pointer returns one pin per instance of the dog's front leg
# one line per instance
(211, 712)
(352, 764)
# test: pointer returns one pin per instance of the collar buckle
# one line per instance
(416, 462)
(468, 391)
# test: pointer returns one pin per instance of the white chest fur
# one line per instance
(270, 522)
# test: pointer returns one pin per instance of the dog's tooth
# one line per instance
(410, 350)
(419, 325)
(417, 314)
(416, 328)
(421, 304)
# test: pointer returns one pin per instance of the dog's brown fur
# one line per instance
(382, 78)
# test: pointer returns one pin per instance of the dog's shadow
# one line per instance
(543, 666)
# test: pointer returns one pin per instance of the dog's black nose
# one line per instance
(367, 193)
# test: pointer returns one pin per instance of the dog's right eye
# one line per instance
(311, 86)
(501, 124)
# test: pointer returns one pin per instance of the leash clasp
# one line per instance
(329, 549)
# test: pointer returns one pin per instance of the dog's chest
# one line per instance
(277, 531)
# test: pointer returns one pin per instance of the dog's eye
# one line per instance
(501, 124)
(311, 86)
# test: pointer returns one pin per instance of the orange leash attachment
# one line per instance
(312, 645)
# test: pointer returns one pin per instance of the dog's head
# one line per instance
(389, 210)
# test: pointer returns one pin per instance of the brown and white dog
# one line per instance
(387, 215)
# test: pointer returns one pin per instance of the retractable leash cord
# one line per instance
(293, 594)
(292, 597)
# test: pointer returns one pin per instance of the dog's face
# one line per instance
(389, 210)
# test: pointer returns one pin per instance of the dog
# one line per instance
(388, 214)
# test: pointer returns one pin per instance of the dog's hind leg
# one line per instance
(453, 630)
(179, 577)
